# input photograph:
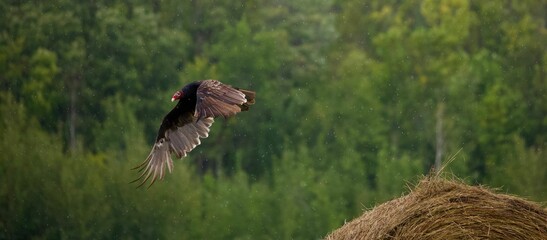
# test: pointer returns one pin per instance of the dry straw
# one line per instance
(449, 209)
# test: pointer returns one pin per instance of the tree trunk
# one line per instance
(439, 135)
(73, 113)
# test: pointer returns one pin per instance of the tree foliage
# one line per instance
(347, 114)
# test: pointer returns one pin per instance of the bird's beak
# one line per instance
(176, 96)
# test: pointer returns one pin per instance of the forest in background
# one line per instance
(356, 100)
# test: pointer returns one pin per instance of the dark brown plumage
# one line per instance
(181, 129)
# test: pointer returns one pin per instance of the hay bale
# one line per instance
(442, 209)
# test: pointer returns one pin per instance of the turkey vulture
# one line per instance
(181, 129)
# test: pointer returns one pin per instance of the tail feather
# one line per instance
(250, 96)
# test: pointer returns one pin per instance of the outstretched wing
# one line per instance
(178, 140)
(217, 99)
(184, 139)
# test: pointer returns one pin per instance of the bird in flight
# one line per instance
(181, 129)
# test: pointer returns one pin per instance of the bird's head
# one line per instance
(177, 95)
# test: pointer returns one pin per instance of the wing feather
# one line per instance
(217, 99)
(179, 141)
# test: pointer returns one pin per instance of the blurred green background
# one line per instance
(355, 100)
